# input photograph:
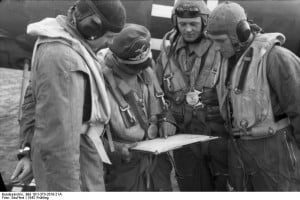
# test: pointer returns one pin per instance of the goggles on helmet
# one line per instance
(187, 12)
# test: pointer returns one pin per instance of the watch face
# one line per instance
(192, 98)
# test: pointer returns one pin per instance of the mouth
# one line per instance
(190, 35)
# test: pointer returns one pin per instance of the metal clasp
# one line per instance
(126, 110)
(161, 97)
(200, 104)
(168, 79)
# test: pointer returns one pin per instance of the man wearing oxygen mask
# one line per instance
(66, 106)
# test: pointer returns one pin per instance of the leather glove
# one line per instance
(23, 172)
(166, 129)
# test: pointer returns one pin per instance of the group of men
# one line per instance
(217, 74)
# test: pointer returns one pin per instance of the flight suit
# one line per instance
(142, 171)
(262, 113)
(60, 100)
(188, 79)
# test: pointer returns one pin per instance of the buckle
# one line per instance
(162, 99)
(128, 113)
(167, 78)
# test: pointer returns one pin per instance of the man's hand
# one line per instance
(23, 172)
(152, 131)
(166, 129)
(123, 149)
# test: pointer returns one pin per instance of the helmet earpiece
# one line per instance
(88, 22)
(90, 28)
(243, 31)
(174, 21)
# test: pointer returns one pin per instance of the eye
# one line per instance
(182, 24)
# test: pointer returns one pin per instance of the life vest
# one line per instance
(130, 117)
(54, 30)
(249, 92)
(100, 109)
(203, 77)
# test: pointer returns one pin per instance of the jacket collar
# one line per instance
(68, 24)
(198, 48)
(112, 63)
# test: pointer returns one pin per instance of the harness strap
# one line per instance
(158, 91)
(242, 78)
(130, 96)
(121, 92)
(129, 119)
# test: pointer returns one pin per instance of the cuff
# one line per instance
(25, 152)
(166, 117)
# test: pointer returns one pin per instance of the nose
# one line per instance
(189, 28)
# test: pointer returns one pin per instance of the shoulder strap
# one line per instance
(242, 78)
(129, 119)
(158, 91)
(121, 90)
(130, 95)
(113, 88)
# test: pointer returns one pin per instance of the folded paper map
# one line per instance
(160, 145)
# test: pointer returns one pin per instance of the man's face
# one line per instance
(223, 42)
(102, 42)
(190, 28)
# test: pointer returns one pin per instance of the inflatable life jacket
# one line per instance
(188, 92)
(249, 91)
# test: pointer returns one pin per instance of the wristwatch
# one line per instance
(24, 152)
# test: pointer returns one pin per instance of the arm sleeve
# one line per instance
(27, 119)
(59, 92)
(283, 71)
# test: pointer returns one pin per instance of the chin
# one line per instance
(189, 39)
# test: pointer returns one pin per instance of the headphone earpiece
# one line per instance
(88, 22)
(243, 31)
(90, 27)
(174, 21)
